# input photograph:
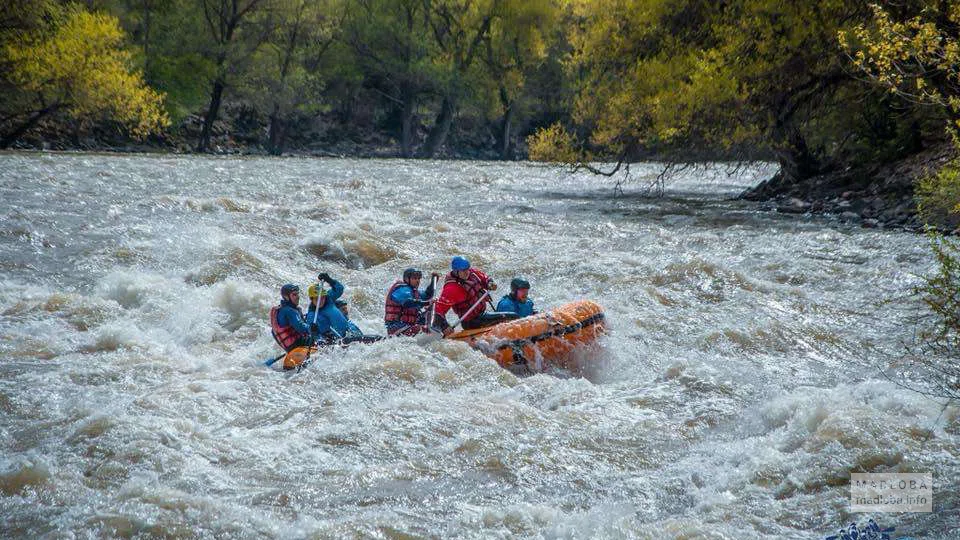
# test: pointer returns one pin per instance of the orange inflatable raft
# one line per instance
(535, 343)
(540, 341)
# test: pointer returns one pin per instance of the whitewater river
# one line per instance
(737, 391)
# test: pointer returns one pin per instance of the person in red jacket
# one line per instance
(466, 291)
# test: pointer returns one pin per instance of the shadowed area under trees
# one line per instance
(573, 81)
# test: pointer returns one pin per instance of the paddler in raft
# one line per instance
(518, 301)
(405, 304)
(467, 291)
(353, 333)
(286, 320)
(327, 322)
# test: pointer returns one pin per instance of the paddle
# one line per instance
(273, 361)
(479, 301)
(316, 312)
(316, 308)
(428, 338)
(433, 305)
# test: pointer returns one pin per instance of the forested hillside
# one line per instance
(802, 83)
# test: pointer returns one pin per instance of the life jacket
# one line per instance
(474, 288)
(286, 336)
(396, 312)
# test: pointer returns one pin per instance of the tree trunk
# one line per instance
(147, 64)
(215, 98)
(12, 137)
(506, 150)
(276, 132)
(406, 125)
(795, 158)
(441, 128)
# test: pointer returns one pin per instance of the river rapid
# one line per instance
(737, 390)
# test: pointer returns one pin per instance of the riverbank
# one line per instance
(876, 196)
(240, 131)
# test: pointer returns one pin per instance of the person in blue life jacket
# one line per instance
(286, 320)
(353, 331)
(405, 304)
(327, 323)
(518, 301)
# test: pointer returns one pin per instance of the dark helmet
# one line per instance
(519, 283)
(459, 263)
(340, 303)
(287, 289)
(412, 273)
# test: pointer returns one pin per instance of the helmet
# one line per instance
(459, 263)
(314, 291)
(519, 283)
(340, 303)
(287, 289)
(412, 273)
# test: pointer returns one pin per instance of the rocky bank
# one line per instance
(873, 196)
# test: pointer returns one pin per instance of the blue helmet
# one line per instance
(459, 263)
(287, 289)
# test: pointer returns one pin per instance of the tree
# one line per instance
(226, 22)
(686, 76)
(912, 49)
(68, 60)
(287, 77)
(458, 28)
(389, 39)
(514, 45)
(168, 39)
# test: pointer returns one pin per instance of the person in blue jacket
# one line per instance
(518, 300)
(286, 320)
(404, 308)
(353, 331)
(326, 322)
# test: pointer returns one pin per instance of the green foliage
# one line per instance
(686, 75)
(912, 49)
(938, 197)
(934, 361)
(390, 40)
(75, 62)
(941, 292)
(625, 78)
(553, 144)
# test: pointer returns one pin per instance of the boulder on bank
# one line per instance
(875, 196)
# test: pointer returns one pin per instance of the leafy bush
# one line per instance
(938, 197)
(552, 144)
(939, 344)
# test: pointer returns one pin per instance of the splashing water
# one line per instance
(737, 390)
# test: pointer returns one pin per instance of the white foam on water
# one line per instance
(736, 391)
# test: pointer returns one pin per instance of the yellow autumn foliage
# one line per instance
(675, 75)
(81, 66)
(552, 144)
(918, 57)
